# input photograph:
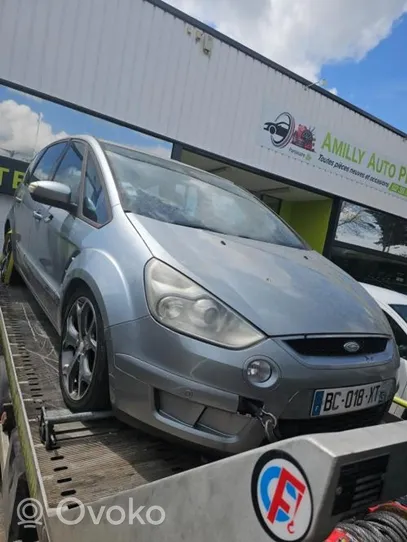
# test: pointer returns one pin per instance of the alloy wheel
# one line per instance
(79, 348)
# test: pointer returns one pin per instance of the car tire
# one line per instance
(8, 272)
(83, 366)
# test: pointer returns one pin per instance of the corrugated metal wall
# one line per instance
(135, 62)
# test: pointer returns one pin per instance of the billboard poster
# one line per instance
(11, 174)
(297, 137)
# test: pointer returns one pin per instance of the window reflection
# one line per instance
(372, 229)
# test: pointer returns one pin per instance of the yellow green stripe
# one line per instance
(399, 401)
(10, 265)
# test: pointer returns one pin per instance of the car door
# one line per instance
(55, 228)
(399, 329)
(26, 208)
(68, 236)
(23, 215)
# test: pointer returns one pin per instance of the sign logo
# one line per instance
(283, 132)
(282, 497)
(352, 347)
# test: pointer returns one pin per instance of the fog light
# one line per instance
(258, 371)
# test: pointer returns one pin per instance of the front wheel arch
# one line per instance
(75, 284)
(120, 298)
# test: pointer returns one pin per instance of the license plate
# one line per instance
(340, 400)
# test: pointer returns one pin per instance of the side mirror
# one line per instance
(52, 193)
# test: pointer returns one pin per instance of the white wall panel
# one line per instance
(133, 61)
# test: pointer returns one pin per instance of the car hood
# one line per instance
(281, 290)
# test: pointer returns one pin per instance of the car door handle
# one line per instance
(37, 215)
(18, 199)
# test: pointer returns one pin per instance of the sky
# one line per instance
(28, 124)
(358, 46)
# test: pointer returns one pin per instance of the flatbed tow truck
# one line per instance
(91, 478)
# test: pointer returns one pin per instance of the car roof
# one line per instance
(389, 297)
(180, 167)
(175, 165)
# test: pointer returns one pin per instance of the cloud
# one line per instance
(334, 91)
(302, 35)
(18, 133)
(18, 128)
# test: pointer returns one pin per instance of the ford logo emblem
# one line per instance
(352, 347)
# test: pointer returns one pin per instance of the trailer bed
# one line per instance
(93, 460)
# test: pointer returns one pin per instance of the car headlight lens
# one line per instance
(180, 304)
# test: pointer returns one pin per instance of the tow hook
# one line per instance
(255, 409)
(269, 423)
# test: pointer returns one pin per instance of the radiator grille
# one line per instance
(335, 346)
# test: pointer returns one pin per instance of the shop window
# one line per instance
(372, 229)
(372, 246)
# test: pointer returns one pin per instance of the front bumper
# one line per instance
(197, 392)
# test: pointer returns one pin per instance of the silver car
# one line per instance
(185, 304)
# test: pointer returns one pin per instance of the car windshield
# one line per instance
(176, 195)
(401, 311)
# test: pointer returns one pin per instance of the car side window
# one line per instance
(31, 166)
(95, 205)
(399, 335)
(45, 167)
(69, 171)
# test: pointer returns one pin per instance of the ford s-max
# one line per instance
(185, 304)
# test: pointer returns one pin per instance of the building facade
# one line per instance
(336, 174)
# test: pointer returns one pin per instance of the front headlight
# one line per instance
(180, 304)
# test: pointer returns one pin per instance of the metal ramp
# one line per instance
(93, 459)
(107, 467)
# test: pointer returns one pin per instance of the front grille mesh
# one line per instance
(335, 346)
